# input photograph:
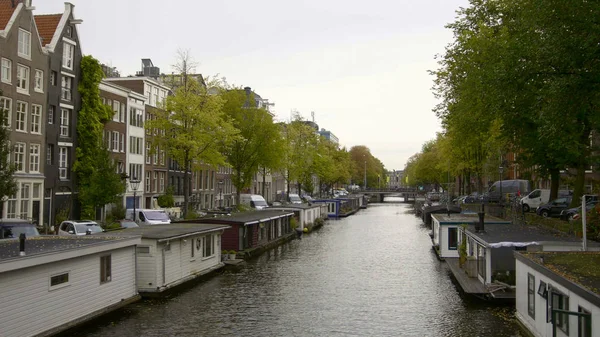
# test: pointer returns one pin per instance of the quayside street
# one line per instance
(371, 274)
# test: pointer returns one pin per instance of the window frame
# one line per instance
(63, 164)
(453, 238)
(35, 156)
(531, 295)
(36, 119)
(38, 78)
(63, 284)
(64, 128)
(50, 118)
(24, 45)
(8, 120)
(105, 269)
(19, 164)
(23, 79)
(66, 87)
(18, 122)
(6, 72)
(68, 55)
(208, 244)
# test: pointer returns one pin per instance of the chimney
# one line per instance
(22, 244)
(248, 90)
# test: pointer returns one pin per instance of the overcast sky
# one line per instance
(361, 66)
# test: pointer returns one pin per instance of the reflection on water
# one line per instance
(372, 274)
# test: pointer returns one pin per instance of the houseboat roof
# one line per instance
(171, 231)
(577, 271)
(48, 249)
(296, 206)
(467, 219)
(248, 218)
(494, 235)
(9, 248)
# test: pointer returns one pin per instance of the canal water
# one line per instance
(371, 274)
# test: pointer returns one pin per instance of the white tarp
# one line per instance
(512, 244)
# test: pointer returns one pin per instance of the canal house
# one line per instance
(445, 231)
(50, 284)
(490, 263)
(172, 254)
(305, 214)
(253, 231)
(551, 281)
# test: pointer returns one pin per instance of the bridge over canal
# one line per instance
(408, 194)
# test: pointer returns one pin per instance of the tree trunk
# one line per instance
(186, 185)
(263, 183)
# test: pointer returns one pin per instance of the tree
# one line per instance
(259, 143)
(195, 130)
(8, 185)
(299, 149)
(97, 180)
(364, 163)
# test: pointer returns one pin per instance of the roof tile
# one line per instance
(6, 11)
(46, 25)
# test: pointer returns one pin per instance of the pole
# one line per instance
(583, 222)
(134, 197)
(365, 174)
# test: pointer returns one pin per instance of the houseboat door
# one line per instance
(245, 237)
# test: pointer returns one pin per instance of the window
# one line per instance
(135, 171)
(64, 122)
(155, 186)
(148, 156)
(38, 84)
(155, 156)
(584, 324)
(36, 119)
(24, 44)
(63, 163)
(22, 79)
(5, 71)
(560, 301)
(50, 154)
(115, 141)
(161, 184)
(147, 181)
(116, 108)
(452, 238)
(156, 96)
(34, 158)
(51, 114)
(68, 31)
(67, 83)
(20, 157)
(194, 242)
(53, 77)
(122, 143)
(162, 157)
(21, 121)
(531, 295)
(25, 198)
(142, 249)
(543, 290)
(6, 105)
(11, 210)
(59, 280)
(68, 54)
(105, 269)
(207, 242)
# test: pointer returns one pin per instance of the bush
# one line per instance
(293, 223)
(166, 200)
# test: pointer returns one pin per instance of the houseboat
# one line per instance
(350, 204)
(445, 231)
(489, 263)
(333, 206)
(50, 284)
(170, 255)
(557, 293)
(306, 215)
(252, 232)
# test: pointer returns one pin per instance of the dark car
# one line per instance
(12, 228)
(568, 214)
(554, 207)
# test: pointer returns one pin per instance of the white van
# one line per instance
(539, 197)
(253, 200)
(149, 216)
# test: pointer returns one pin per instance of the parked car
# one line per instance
(79, 227)
(554, 207)
(569, 214)
(13, 228)
(294, 198)
(149, 216)
(127, 223)
(540, 197)
(506, 187)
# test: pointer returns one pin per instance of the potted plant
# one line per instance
(224, 255)
(232, 254)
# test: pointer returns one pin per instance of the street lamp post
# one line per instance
(134, 184)
(365, 175)
(220, 193)
(501, 196)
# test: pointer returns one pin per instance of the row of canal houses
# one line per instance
(39, 76)
(53, 283)
(554, 284)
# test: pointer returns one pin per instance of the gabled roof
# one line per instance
(6, 11)
(47, 25)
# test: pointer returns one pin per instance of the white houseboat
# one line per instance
(551, 281)
(445, 231)
(55, 283)
(305, 214)
(170, 255)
